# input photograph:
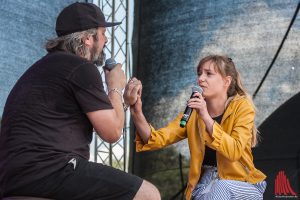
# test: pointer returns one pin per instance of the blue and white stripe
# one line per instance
(210, 187)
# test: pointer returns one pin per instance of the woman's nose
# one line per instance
(200, 78)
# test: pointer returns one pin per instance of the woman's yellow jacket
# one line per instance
(231, 139)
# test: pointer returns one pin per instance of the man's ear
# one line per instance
(88, 41)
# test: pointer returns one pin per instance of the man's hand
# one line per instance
(133, 90)
(115, 78)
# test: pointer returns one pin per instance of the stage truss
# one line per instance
(116, 154)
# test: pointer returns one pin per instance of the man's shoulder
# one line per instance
(66, 56)
(63, 62)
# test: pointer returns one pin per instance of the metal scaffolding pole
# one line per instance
(115, 154)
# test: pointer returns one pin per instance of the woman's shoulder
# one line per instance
(242, 100)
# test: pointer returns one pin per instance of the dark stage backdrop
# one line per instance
(278, 154)
(172, 35)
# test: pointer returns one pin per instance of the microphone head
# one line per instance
(110, 63)
(197, 89)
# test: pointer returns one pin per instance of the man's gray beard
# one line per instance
(97, 59)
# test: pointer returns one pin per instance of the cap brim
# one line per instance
(110, 24)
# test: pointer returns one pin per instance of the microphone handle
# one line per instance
(186, 116)
(187, 113)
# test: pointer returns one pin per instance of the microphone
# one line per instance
(109, 64)
(188, 111)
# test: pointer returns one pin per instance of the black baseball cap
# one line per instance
(79, 17)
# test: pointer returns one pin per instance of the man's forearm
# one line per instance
(115, 98)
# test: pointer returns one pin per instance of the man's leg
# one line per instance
(147, 191)
(81, 179)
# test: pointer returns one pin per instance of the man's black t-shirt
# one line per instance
(44, 122)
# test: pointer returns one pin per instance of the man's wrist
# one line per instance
(116, 90)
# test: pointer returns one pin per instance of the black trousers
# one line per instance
(83, 180)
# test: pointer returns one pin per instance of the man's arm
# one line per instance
(109, 123)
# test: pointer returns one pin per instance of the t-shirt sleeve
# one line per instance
(87, 86)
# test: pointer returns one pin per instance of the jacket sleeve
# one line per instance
(232, 144)
(162, 137)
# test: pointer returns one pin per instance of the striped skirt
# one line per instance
(210, 187)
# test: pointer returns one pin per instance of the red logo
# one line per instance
(283, 187)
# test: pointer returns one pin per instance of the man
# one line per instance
(50, 114)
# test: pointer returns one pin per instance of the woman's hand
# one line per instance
(133, 90)
(199, 104)
(132, 96)
(136, 109)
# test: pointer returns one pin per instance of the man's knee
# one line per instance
(147, 191)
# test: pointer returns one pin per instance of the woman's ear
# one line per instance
(227, 80)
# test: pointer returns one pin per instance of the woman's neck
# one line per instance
(216, 106)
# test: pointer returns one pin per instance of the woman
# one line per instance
(220, 132)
